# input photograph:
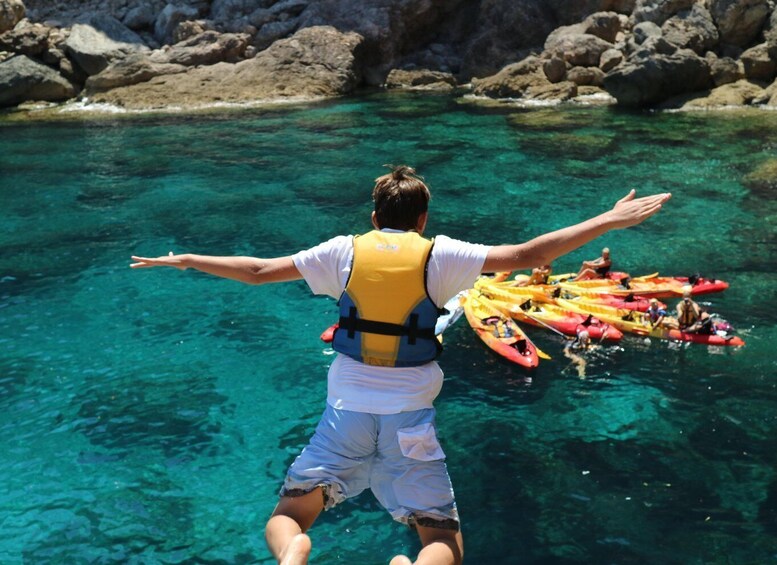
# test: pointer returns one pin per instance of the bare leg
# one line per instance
(285, 530)
(586, 274)
(440, 547)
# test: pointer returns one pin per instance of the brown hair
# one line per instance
(400, 198)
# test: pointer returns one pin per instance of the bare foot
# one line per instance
(400, 560)
(298, 551)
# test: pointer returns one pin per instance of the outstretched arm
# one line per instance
(628, 211)
(250, 270)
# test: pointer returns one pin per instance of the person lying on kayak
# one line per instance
(539, 275)
(378, 428)
(596, 269)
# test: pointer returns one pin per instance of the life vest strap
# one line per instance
(351, 324)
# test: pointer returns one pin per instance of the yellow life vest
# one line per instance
(386, 315)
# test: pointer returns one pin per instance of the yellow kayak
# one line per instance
(498, 331)
(638, 323)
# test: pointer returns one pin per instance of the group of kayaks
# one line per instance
(606, 308)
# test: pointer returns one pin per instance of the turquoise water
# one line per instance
(149, 416)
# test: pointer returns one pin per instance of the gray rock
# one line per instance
(725, 70)
(658, 11)
(208, 48)
(169, 18)
(691, 29)
(653, 80)
(23, 79)
(760, 62)
(555, 69)
(261, 16)
(610, 59)
(11, 13)
(513, 80)
(291, 8)
(652, 47)
(270, 33)
(189, 28)
(421, 79)
(586, 76)
(99, 40)
(29, 39)
(560, 91)
(140, 17)
(770, 31)
(134, 69)
(604, 25)
(644, 30)
(229, 10)
(740, 21)
(578, 49)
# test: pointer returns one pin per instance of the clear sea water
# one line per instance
(149, 416)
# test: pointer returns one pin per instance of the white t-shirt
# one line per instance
(352, 385)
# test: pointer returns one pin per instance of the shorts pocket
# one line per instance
(420, 443)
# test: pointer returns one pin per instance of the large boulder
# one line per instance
(207, 48)
(133, 69)
(314, 62)
(647, 82)
(511, 81)
(11, 13)
(760, 62)
(740, 21)
(99, 39)
(578, 49)
(23, 79)
(692, 29)
(169, 18)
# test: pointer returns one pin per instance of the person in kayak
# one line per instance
(378, 428)
(595, 269)
(539, 275)
(690, 316)
(655, 314)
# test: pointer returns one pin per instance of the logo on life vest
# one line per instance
(389, 247)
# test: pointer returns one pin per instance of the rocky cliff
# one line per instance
(155, 53)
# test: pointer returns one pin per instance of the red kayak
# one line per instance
(552, 317)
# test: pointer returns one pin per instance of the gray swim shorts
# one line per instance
(397, 456)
